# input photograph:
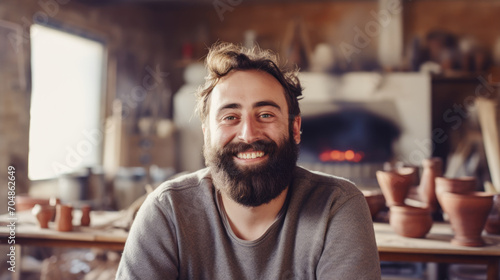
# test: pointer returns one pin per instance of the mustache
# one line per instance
(267, 146)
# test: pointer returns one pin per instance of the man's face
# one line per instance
(249, 145)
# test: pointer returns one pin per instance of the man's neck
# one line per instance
(250, 223)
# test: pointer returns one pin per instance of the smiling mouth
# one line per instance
(250, 155)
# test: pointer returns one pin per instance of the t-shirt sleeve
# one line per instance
(350, 250)
(151, 250)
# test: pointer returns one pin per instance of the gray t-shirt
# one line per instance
(324, 231)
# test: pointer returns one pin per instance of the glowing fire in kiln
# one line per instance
(339, 156)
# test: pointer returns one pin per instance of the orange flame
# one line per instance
(337, 156)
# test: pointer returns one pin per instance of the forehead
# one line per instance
(248, 87)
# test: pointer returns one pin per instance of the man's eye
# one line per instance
(265, 116)
(229, 118)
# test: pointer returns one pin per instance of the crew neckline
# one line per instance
(229, 230)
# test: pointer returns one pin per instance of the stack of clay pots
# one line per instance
(406, 220)
(466, 208)
(395, 184)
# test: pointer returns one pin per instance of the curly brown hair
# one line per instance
(223, 58)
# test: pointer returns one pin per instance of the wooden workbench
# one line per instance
(435, 247)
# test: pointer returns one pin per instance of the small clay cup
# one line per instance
(493, 222)
(467, 213)
(43, 214)
(395, 184)
(375, 200)
(410, 221)
(85, 219)
(64, 217)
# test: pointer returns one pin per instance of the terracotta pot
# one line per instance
(388, 166)
(395, 184)
(43, 214)
(64, 217)
(375, 200)
(493, 222)
(432, 168)
(454, 185)
(85, 220)
(467, 213)
(410, 221)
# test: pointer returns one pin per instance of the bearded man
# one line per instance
(252, 213)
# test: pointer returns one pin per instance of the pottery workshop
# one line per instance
(149, 139)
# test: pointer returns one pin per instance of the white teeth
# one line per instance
(250, 155)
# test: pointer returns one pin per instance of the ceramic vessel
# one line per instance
(401, 167)
(493, 222)
(85, 220)
(43, 214)
(409, 221)
(64, 217)
(454, 185)
(467, 213)
(395, 184)
(375, 200)
(432, 168)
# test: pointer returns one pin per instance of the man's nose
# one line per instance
(250, 130)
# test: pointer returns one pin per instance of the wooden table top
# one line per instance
(100, 229)
(437, 241)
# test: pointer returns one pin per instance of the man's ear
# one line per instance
(297, 122)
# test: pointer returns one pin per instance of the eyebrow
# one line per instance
(229, 106)
(256, 105)
(267, 103)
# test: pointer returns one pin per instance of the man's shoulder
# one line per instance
(316, 179)
(184, 184)
(322, 192)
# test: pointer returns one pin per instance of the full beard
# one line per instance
(257, 184)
